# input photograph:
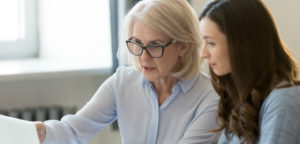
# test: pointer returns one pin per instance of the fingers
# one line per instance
(41, 130)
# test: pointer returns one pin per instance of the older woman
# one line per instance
(163, 99)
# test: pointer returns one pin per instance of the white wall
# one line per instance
(59, 89)
(286, 15)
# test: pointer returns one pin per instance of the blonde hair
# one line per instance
(174, 18)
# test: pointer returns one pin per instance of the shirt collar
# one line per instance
(184, 85)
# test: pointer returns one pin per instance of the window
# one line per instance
(75, 32)
(18, 29)
(55, 35)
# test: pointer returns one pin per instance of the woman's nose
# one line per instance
(204, 53)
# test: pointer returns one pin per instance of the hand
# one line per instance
(41, 130)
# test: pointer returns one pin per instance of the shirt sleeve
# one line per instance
(80, 128)
(279, 119)
(199, 130)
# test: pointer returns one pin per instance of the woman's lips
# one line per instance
(148, 69)
(212, 64)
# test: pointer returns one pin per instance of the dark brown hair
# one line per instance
(259, 61)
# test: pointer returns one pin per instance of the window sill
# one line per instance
(39, 68)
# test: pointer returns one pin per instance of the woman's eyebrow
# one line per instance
(151, 41)
(135, 39)
(208, 37)
(157, 40)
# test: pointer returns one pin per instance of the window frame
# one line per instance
(27, 45)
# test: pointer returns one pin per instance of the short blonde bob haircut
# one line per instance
(174, 18)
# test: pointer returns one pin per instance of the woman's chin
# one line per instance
(220, 73)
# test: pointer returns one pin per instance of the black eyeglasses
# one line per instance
(155, 51)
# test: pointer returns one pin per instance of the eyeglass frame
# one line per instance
(145, 48)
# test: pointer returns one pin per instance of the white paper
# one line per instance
(16, 131)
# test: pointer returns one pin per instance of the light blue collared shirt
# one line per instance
(279, 119)
(185, 117)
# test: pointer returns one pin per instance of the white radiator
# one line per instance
(39, 113)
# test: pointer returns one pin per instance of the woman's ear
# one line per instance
(184, 48)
